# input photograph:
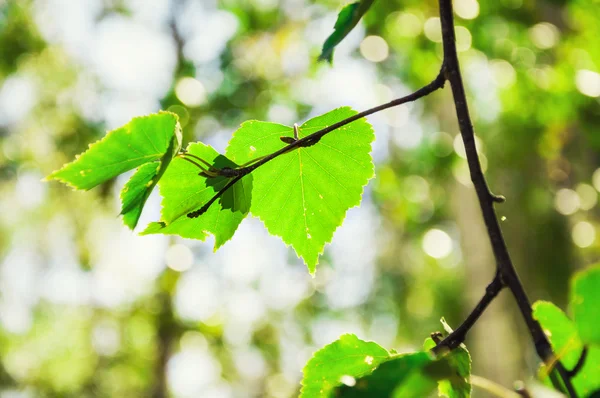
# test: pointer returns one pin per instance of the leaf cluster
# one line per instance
(301, 196)
(350, 367)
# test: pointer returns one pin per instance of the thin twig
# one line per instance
(504, 264)
(455, 338)
(506, 273)
(313, 138)
(204, 208)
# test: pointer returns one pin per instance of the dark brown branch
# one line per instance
(504, 264)
(455, 338)
(506, 274)
(314, 138)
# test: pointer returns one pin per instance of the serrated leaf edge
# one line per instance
(53, 176)
(313, 268)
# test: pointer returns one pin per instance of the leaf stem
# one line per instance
(504, 265)
(207, 172)
(506, 274)
(313, 138)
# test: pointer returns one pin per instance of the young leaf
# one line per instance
(136, 191)
(346, 21)
(346, 358)
(151, 139)
(139, 187)
(585, 299)
(567, 345)
(561, 332)
(142, 140)
(459, 360)
(184, 190)
(413, 375)
(302, 196)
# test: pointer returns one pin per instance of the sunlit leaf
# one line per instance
(184, 190)
(153, 139)
(561, 332)
(341, 361)
(413, 375)
(136, 191)
(142, 140)
(585, 304)
(568, 347)
(347, 19)
(302, 196)
(459, 360)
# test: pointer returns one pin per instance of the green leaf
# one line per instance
(346, 21)
(568, 347)
(184, 191)
(561, 332)
(459, 360)
(137, 190)
(413, 375)
(302, 196)
(152, 139)
(142, 140)
(139, 187)
(585, 303)
(586, 381)
(346, 358)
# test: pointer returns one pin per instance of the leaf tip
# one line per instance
(153, 228)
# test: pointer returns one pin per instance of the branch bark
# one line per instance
(459, 334)
(506, 275)
(505, 268)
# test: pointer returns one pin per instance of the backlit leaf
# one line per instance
(459, 360)
(302, 196)
(142, 140)
(585, 303)
(136, 191)
(413, 375)
(341, 361)
(149, 139)
(184, 191)
(568, 347)
(347, 19)
(561, 332)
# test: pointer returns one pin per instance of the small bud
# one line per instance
(287, 140)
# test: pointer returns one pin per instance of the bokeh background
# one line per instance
(90, 309)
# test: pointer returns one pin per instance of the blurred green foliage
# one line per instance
(532, 73)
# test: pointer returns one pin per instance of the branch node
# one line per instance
(521, 389)
(459, 334)
(437, 337)
(228, 172)
(197, 213)
(498, 198)
(288, 140)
